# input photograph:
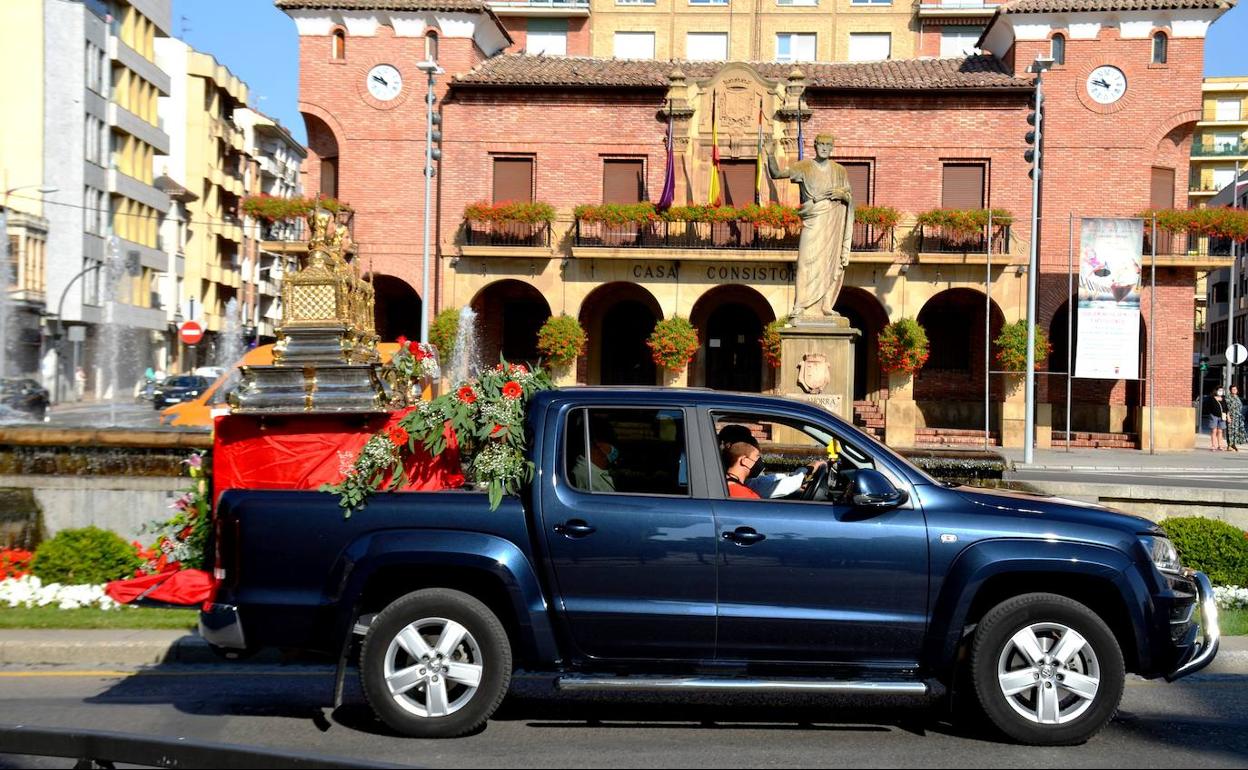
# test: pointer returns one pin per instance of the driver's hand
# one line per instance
(815, 466)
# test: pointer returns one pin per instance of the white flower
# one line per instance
(1231, 597)
(29, 591)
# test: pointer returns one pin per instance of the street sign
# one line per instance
(191, 333)
(1237, 354)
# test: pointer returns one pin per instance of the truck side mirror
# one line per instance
(872, 491)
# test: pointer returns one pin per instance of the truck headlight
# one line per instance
(1163, 553)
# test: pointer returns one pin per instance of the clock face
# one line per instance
(1107, 84)
(384, 82)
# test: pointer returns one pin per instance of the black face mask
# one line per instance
(757, 470)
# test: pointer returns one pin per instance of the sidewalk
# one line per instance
(92, 649)
(1200, 458)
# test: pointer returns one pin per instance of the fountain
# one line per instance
(466, 358)
(230, 345)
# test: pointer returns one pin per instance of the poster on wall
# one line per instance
(1110, 256)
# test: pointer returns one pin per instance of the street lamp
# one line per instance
(5, 270)
(1038, 67)
(430, 68)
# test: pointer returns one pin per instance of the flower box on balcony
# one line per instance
(508, 224)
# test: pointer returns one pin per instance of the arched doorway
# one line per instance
(868, 316)
(730, 321)
(618, 318)
(322, 163)
(950, 387)
(510, 313)
(397, 309)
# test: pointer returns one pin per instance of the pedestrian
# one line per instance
(1215, 418)
(1235, 429)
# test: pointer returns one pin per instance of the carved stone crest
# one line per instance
(814, 373)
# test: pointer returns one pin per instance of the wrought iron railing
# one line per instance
(680, 234)
(939, 240)
(872, 238)
(1186, 245)
(283, 231)
(534, 234)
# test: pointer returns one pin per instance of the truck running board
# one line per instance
(609, 683)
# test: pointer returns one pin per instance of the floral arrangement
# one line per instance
(770, 342)
(885, 217)
(180, 539)
(413, 363)
(534, 212)
(1012, 347)
(673, 343)
(29, 591)
(274, 209)
(15, 562)
(965, 221)
(903, 347)
(1231, 597)
(772, 215)
(617, 213)
(443, 332)
(561, 340)
(1215, 222)
(486, 417)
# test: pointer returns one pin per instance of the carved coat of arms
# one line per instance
(814, 373)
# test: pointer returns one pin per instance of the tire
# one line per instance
(1049, 712)
(429, 703)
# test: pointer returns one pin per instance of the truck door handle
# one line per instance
(575, 529)
(744, 536)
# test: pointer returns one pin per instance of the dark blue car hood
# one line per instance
(1055, 509)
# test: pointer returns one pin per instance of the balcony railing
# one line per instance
(938, 240)
(576, 4)
(679, 234)
(283, 231)
(1220, 149)
(872, 238)
(534, 235)
(1186, 245)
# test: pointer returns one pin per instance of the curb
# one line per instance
(85, 648)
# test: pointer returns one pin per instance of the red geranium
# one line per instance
(467, 395)
(402, 340)
(398, 435)
(498, 429)
(513, 390)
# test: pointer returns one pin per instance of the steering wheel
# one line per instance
(817, 484)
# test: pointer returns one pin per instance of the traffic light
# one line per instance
(1034, 137)
(435, 144)
(1204, 364)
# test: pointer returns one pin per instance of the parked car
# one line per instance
(175, 390)
(24, 397)
(643, 573)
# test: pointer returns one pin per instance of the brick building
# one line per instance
(916, 135)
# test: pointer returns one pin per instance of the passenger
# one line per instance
(739, 459)
(595, 476)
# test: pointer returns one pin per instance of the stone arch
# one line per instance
(730, 320)
(1165, 127)
(869, 317)
(618, 318)
(950, 387)
(397, 309)
(510, 313)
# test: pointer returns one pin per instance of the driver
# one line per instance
(770, 485)
(739, 459)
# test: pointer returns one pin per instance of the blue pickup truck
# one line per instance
(627, 565)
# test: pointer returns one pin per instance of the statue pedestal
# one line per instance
(817, 364)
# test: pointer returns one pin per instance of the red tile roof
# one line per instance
(1094, 6)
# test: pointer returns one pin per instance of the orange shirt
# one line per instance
(737, 489)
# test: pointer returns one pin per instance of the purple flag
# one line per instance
(669, 178)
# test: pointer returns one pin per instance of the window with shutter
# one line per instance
(623, 181)
(963, 186)
(870, 46)
(706, 46)
(634, 45)
(513, 180)
(1162, 196)
(547, 36)
(738, 182)
(329, 177)
(859, 182)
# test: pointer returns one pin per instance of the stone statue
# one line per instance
(827, 214)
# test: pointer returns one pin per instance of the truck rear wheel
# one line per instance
(1047, 670)
(435, 664)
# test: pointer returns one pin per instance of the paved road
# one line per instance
(1200, 722)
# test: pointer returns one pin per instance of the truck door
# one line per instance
(632, 548)
(816, 581)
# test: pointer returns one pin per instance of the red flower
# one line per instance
(402, 340)
(498, 429)
(513, 390)
(413, 347)
(467, 395)
(399, 436)
(454, 480)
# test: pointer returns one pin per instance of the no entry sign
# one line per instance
(191, 333)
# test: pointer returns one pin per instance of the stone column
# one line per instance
(827, 348)
(1013, 417)
(901, 413)
(1175, 427)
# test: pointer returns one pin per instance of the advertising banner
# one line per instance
(1110, 254)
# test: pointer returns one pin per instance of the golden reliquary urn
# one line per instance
(325, 359)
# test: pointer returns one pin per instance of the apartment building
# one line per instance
(275, 161)
(745, 30)
(208, 157)
(1221, 140)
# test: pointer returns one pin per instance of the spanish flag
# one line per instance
(760, 177)
(715, 196)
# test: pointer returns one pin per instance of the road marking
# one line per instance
(115, 674)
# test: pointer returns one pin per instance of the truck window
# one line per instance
(627, 451)
(788, 447)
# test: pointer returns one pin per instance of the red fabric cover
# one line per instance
(304, 452)
(187, 587)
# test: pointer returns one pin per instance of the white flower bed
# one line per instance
(29, 591)
(1231, 597)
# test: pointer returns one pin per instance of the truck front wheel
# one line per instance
(435, 664)
(1047, 670)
